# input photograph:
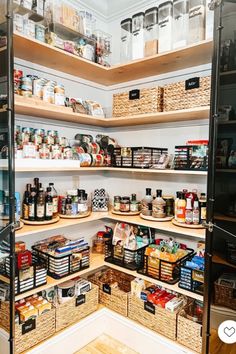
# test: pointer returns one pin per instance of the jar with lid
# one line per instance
(159, 206)
(48, 93)
(126, 40)
(125, 204)
(169, 205)
(151, 31)
(138, 36)
(165, 24)
(196, 30)
(134, 204)
(180, 23)
(56, 152)
(116, 205)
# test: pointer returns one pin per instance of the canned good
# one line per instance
(95, 148)
(67, 153)
(116, 205)
(44, 152)
(26, 84)
(85, 160)
(40, 33)
(56, 152)
(38, 86)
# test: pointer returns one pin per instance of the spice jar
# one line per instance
(67, 153)
(116, 205)
(56, 152)
(125, 204)
(134, 204)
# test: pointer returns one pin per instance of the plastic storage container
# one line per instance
(138, 35)
(165, 24)
(103, 47)
(126, 40)
(151, 32)
(197, 12)
(180, 23)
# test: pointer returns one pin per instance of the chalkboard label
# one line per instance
(192, 83)
(149, 307)
(106, 289)
(134, 95)
(28, 326)
(80, 300)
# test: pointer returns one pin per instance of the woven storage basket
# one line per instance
(112, 297)
(163, 321)
(150, 101)
(68, 313)
(176, 96)
(225, 296)
(4, 315)
(189, 333)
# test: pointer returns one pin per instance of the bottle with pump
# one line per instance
(159, 206)
(54, 200)
(189, 212)
(32, 204)
(196, 212)
(40, 206)
(181, 209)
(49, 204)
(146, 203)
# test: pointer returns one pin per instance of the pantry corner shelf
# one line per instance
(97, 262)
(36, 108)
(43, 54)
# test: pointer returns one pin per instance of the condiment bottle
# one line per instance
(203, 207)
(48, 204)
(36, 183)
(54, 200)
(181, 208)
(32, 204)
(26, 205)
(196, 213)
(116, 205)
(159, 206)
(134, 205)
(191, 195)
(146, 203)
(189, 212)
(176, 204)
(40, 206)
(68, 206)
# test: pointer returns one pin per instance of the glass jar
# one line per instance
(196, 31)
(126, 40)
(116, 205)
(138, 36)
(146, 203)
(125, 204)
(169, 205)
(134, 204)
(180, 23)
(151, 31)
(165, 23)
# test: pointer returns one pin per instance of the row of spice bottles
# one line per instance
(126, 204)
(186, 208)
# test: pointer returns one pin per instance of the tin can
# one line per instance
(40, 33)
(85, 160)
(67, 153)
(95, 148)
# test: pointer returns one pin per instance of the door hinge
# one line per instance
(214, 4)
(209, 226)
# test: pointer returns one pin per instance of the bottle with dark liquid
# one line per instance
(54, 200)
(32, 204)
(36, 183)
(48, 204)
(40, 206)
(26, 205)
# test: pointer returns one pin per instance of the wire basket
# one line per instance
(191, 279)
(191, 157)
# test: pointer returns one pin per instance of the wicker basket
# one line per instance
(112, 297)
(162, 321)
(148, 100)
(189, 333)
(179, 96)
(4, 315)
(225, 296)
(74, 310)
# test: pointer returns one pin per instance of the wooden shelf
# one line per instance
(36, 108)
(4, 279)
(220, 260)
(54, 58)
(97, 261)
(222, 217)
(158, 172)
(163, 226)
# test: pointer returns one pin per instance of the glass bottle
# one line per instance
(181, 209)
(116, 205)
(189, 212)
(36, 183)
(40, 206)
(74, 201)
(134, 205)
(176, 203)
(146, 203)
(159, 206)
(68, 206)
(196, 212)
(48, 204)
(26, 205)
(32, 204)
(203, 207)
(54, 200)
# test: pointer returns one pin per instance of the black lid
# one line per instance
(148, 191)
(159, 192)
(138, 14)
(51, 184)
(165, 3)
(203, 194)
(33, 189)
(151, 10)
(126, 20)
(49, 189)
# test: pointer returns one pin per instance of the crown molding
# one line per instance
(131, 8)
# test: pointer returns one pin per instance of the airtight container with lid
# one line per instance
(151, 31)
(196, 31)
(138, 35)
(165, 23)
(180, 23)
(126, 40)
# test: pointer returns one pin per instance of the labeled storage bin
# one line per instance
(30, 333)
(143, 101)
(77, 308)
(180, 23)
(114, 287)
(188, 94)
(137, 157)
(151, 32)
(225, 296)
(123, 257)
(197, 15)
(153, 317)
(63, 265)
(189, 333)
(166, 271)
(191, 157)
(191, 279)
